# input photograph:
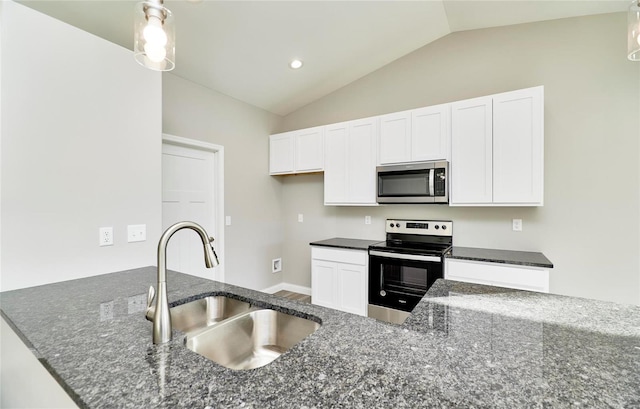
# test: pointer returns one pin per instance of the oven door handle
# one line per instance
(404, 256)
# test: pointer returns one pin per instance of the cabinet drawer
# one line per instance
(501, 275)
(358, 257)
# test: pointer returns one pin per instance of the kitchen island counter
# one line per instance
(465, 345)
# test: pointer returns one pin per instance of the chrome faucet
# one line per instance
(159, 313)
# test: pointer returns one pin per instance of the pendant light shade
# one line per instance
(154, 36)
(633, 30)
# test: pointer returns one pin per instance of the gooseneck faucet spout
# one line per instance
(159, 313)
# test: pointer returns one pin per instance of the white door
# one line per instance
(188, 193)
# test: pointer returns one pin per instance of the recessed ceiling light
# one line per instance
(295, 64)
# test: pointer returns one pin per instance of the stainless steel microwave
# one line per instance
(424, 182)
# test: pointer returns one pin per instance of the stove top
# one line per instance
(421, 237)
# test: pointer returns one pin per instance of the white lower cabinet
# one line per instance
(339, 279)
(498, 274)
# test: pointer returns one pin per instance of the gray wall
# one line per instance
(80, 146)
(589, 225)
(252, 197)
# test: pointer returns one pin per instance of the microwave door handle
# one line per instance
(432, 173)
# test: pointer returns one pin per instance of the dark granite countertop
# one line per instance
(524, 258)
(355, 244)
(465, 345)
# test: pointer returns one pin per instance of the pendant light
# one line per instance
(154, 36)
(633, 29)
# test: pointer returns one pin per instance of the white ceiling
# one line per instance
(242, 48)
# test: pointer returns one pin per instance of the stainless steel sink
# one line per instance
(252, 339)
(205, 312)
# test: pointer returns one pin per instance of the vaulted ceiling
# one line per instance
(242, 48)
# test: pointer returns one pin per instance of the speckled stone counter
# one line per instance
(465, 346)
(338, 242)
(524, 258)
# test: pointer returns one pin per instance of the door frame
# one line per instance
(218, 188)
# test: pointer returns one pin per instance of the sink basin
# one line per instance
(205, 312)
(252, 339)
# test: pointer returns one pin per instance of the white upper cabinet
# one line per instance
(431, 133)
(497, 149)
(415, 135)
(395, 138)
(299, 151)
(471, 152)
(281, 151)
(518, 144)
(350, 166)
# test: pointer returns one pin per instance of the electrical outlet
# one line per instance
(367, 220)
(276, 265)
(136, 232)
(300, 217)
(517, 225)
(106, 236)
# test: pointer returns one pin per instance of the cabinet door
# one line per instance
(352, 288)
(335, 164)
(395, 138)
(361, 161)
(518, 144)
(324, 275)
(309, 148)
(431, 133)
(281, 149)
(471, 151)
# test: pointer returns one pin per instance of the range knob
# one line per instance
(437, 227)
(397, 224)
(444, 227)
(391, 225)
(383, 293)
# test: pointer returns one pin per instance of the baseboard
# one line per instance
(288, 287)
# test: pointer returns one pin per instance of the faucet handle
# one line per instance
(150, 296)
(150, 308)
(211, 239)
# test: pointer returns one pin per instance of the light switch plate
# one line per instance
(136, 232)
(300, 217)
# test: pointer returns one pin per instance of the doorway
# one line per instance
(193, 189)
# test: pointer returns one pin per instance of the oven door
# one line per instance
(399, 281)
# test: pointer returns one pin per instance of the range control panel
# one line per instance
(425, 227)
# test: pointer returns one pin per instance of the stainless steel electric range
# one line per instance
(402, 268)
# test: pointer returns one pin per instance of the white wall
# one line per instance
(589, 226)
(252, 197)
(80, 146)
